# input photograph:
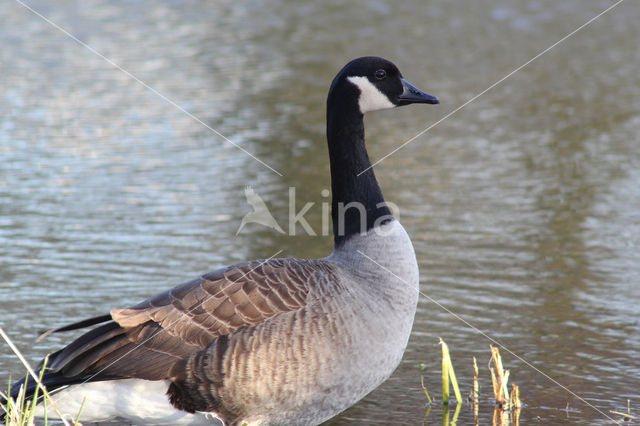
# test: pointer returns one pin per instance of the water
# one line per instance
(523, 206)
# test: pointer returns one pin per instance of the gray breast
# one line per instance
(309, 364)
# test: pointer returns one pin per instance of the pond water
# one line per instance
(523, 206)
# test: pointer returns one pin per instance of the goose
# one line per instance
(266, 342)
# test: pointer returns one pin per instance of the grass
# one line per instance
(625, 416)
(19, 411)
(448, 375)
(499, 379)
(507, 404)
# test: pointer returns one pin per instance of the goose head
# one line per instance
(378, 84)
(364, 84)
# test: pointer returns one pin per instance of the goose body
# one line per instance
(278, 341)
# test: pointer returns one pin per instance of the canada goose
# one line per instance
(278, 341)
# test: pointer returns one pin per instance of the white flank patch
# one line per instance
(371, 99)
(138, 401)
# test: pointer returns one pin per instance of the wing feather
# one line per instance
(149, 339)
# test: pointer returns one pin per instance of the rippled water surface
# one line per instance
(524, 206)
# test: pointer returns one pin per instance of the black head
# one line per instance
(380, 84)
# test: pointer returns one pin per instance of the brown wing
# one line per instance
(145, 341)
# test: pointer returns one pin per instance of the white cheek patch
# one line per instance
(371, 99)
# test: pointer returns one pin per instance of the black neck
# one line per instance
(348, 157)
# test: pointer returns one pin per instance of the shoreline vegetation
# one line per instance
(18, 411)
(507, 405)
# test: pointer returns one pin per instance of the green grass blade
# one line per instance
(446, 360)
(77, 421)
(424, 388)
(448, 376)
(454, 382)
(456, 413)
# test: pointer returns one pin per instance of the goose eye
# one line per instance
(381, 74)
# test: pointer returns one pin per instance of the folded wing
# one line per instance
(147, 340)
